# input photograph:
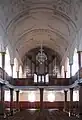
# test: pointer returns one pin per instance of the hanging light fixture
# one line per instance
(41, 57)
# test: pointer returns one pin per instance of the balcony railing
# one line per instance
(51, 80)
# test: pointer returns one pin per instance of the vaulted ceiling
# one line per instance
(28, 23)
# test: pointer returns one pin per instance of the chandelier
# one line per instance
(41, 57)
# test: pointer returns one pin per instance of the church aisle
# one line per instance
(41, 115)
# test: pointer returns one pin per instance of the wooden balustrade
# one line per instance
(30, 82)
(59, 81)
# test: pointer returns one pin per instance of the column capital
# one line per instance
(2, 84)
(3, 53)
(70, 64)
(80, 84)
(11, 89)
(17, 91)
(79, 51)
(71, 88)
(12, 64)
(65, 90)
(41, 89)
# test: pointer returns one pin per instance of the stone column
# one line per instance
(2, 101)
(65, 74)
(71, 101)
(17, 99)
(70, 81)
(12, 69)
(79, 59)
(3, 63)
(65, 69)
(70, 70)
(79, 63)
(3, 60)
(70, 64)
(11, 101)
(17, 74)
(65, 102)
(41, 98)
(2, 92)
(80, 101)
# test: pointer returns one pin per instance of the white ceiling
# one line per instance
(28, 23)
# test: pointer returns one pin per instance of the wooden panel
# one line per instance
(52, 81)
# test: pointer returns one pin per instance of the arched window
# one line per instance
(1, 49)
(20, 71)
(15, 68)
(62, 72)
(7, 62)
(68, 68)
(75, 62)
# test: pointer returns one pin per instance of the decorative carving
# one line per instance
(68, 7)
(76, 9)
(11, 8)
(63, 6)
